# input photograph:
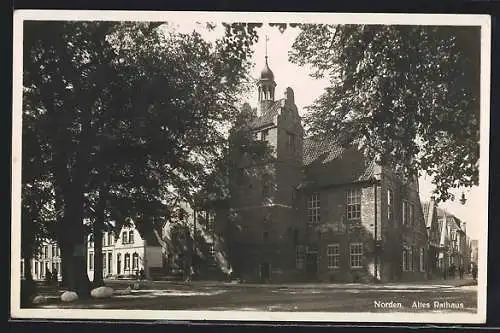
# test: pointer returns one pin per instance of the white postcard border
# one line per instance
(341, 18)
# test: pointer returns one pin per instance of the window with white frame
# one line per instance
(135, 261)
(110, 238)
(104, 262)
(356, 255)
(407, 212)
(104, 243)
(45, 252)
(313, 208)
(127, 261)
(422, 259)
(131, 236)
(299, 256)
(406, 261)
(124, 237)
(54, 251)
(390, 205)
(110, 262)
(91, 261)
(333, 255)
(353, 203)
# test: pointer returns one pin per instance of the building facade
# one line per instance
(318, 210)
(474, 251)
(46, 262)
(436, 242)
(125, 254)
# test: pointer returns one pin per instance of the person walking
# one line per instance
(474, 272)
(461, 272)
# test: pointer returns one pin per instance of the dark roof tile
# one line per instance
(323, 151)
(268, 112)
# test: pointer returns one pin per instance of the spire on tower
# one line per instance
(267, 39)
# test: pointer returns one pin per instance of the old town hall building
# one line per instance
(328, 213)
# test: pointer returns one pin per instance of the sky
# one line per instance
(307, 89)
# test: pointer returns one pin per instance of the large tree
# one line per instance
(131, 115)
(406, 95)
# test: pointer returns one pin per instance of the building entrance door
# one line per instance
(118, 264)
(265, 272)
(312, 265)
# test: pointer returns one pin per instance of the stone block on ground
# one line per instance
(102, 292)
(39, 299)
(69, 296)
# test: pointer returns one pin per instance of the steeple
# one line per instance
(266, 84)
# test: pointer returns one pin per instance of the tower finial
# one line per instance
(267, 39)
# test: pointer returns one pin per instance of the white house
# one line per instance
(127, 254)
(47, 260)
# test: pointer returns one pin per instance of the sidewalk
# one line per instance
(321, 285)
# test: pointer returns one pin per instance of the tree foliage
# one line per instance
(127, 115)
(406, 95)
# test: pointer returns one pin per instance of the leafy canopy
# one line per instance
(408, 96)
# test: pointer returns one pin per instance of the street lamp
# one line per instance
(463, 200)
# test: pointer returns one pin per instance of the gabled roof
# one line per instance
(442, 213)
(428, 208)
(268, 112)
(322, 151)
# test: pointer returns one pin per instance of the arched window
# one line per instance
(127, 261)
(135, 261)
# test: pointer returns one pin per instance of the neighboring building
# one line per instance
(454, 242)
(126, 253)
(436, 247)
(319, 210)
(47, 260)
(474, 251)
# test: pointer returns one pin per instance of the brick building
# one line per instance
(318, 211)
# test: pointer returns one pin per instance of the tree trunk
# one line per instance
(98, 257)
(78, 280)
(65, 258)
(28, 286)
(98, 236)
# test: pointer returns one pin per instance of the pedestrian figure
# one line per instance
(55, 277)
(142, 275)
(474, 272)
(461, 272)
(444, 273)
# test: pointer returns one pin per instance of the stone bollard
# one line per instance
(69, 296)
(102, 292)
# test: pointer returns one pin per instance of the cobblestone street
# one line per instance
(443, 296)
